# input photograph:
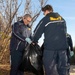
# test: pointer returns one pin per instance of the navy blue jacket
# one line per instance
(19, 32)
(69, 40)
(54, 28)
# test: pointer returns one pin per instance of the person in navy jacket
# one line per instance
(55, 43)
(70, 51)
(21, 31)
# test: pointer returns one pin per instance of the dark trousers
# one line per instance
(55, 62)
(68, 56)
(16, 57)
(68, 61)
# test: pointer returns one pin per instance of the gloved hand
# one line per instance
(71, 53)
(28, 40)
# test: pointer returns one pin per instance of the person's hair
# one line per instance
(27, 15)
(47, 7)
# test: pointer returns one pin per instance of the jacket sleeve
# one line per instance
(16, 32)
(70, 43)
(38, 31)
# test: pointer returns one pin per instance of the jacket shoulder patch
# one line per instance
(57, 18)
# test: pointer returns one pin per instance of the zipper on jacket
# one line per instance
(18, 45)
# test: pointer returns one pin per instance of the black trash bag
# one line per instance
(32, 60)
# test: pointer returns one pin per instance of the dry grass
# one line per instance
(5, 70)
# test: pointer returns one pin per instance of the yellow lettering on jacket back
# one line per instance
(53, 18)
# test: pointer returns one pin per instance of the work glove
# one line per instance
(71, 53)
(28, 40)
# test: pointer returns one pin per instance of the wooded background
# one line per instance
(10, 12)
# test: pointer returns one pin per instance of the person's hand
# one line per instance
(71, 53)
(28, 40)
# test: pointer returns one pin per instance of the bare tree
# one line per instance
(34, 8)
(10, 10)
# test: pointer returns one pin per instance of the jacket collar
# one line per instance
(25, 25)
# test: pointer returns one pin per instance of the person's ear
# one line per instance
(23, 18)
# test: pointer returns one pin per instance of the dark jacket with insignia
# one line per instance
(54, 28)
(19, 32)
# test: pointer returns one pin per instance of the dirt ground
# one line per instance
(72, 70)
(4, 70)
